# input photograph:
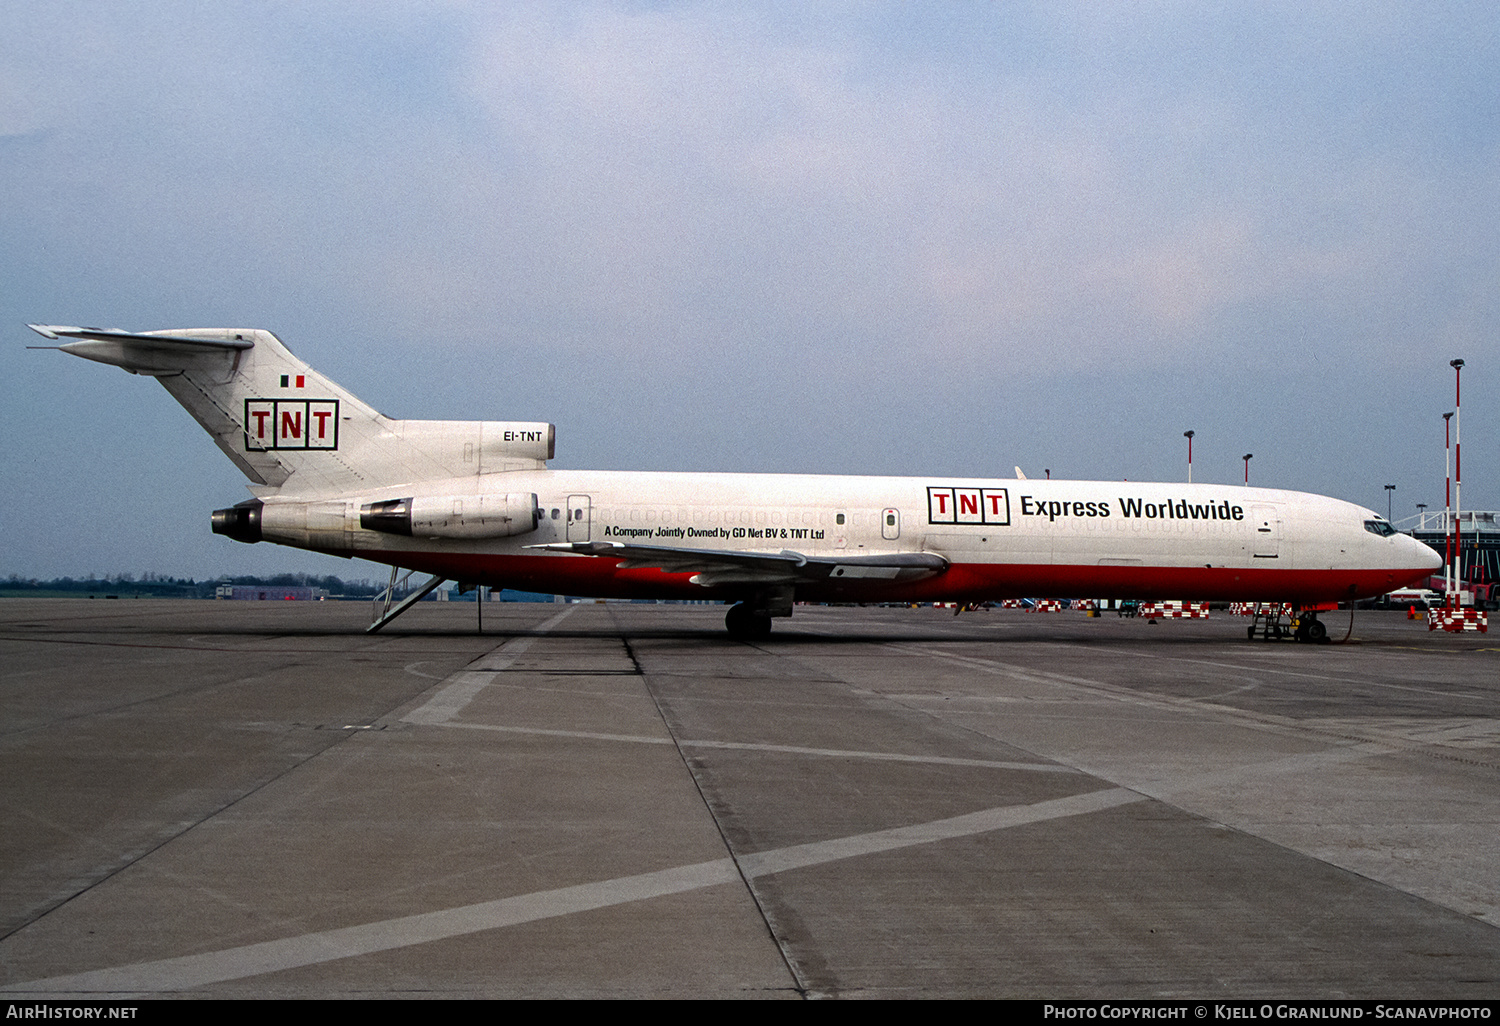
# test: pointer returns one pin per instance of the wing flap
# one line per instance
(715, 567)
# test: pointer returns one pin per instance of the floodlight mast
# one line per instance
(1447, 504)
(1458, 477)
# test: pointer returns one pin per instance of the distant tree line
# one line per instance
(161, 586)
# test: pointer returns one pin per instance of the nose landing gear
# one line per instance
(1274, 621)
(1310, 628)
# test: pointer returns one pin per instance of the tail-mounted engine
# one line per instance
(329, 525)
(453, 516)
(241, 522)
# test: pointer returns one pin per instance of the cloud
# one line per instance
(966, 205)
(1061, 189)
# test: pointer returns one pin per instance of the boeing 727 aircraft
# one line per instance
(474, 501)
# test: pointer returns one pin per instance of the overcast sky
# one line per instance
(860, 238)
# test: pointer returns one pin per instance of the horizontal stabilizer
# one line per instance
(179, 343)
(154, 353)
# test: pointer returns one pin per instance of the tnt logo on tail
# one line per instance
(291, 424)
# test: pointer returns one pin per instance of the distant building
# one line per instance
(269, 593)
(494, 595)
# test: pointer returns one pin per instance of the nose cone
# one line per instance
(1419, 556)
(1411, 562)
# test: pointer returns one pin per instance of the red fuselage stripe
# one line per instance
(600, 577)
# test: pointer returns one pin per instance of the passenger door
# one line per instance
(580, 516)
(1266, 523)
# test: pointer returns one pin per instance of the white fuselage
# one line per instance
(1001, 538)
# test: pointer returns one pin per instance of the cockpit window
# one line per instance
(1380, 527)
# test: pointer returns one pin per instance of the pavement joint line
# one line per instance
(1251, 668)
(200, 970)
(1093, 688)
(838, 753)
(1205, 706)
(586, 735)
(752, 746)
(458, 690)
(1016, 670)
(1362, 745)
(1118, 693)
(1179, 785)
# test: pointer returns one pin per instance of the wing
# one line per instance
(711, 567)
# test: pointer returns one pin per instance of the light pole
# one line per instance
(1421, 516)
(1447, 504)
(1389, 491)
(1458, 478)
(1247, 457)
(1189, 436)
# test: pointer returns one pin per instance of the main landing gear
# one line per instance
(747, 623)
(750, 619)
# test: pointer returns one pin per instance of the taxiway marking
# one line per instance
(752, 746)
(190, 971)
(464, 685)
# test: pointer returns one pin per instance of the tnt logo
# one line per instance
(291, 424)
(968, 506)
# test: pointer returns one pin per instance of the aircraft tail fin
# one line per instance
(289, 428)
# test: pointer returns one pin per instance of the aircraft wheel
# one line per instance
(1250, 632)
(746, 624)
(1317, 632)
